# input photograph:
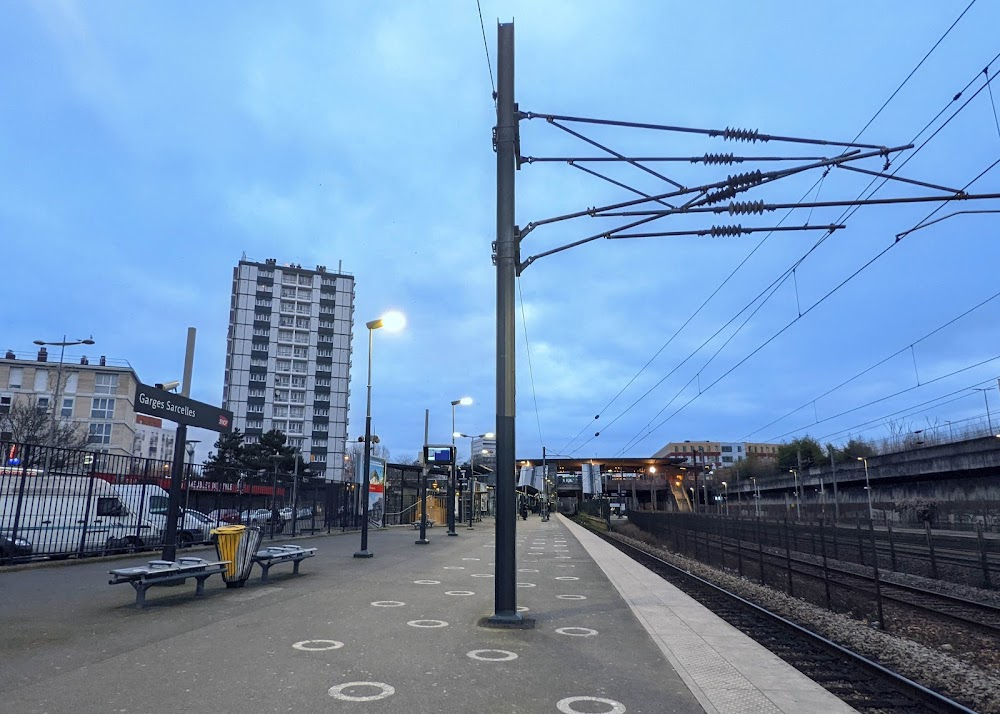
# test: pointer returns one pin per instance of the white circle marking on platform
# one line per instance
(305, 645)
(525, 585)
(459, 592)
(566, 577)
(572, 597)
(576, 631)
(566, 705)
(427, 623)
(565, 565)
(481, 655)
(564, 557)
(454, 567)
(388, 603)
(337, 692)
(527, 570)
(426, 582)
(522, 608)
(482, 575)
(470, 558)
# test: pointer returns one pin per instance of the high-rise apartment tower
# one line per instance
(288, 358)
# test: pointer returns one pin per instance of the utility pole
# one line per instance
(836, 499)
(506, 257)
(174, 502)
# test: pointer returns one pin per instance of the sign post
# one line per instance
(184, 412)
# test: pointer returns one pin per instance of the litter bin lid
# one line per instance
(229, 530)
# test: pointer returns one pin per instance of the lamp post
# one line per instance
(989, 419)
(464, 401)
(472, 463)
(55, 397)
(391, 321)
(868, 488)
(189, 444)
(756, 498)
(798, 499)
(725, 488)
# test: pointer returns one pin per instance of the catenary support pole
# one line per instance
(505, 601)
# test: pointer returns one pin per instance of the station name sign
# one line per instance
(181, 410)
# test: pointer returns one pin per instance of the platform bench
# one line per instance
(281, 554)
(166, 572)
(416, 524)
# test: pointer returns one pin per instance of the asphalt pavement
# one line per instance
(394, 633)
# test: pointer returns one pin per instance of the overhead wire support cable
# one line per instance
(728, 134)
(707, 159)
(723, 231)
(727, 183)
(752, 207)
(901, 179)
(730, 186)
(618, 156)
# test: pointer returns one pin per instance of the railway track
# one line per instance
(860, 682)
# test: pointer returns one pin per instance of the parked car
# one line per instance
(13, 548)
(224, 515)
(262, 517)
(286, 513)
(203, 534)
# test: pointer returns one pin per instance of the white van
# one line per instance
(149, 502)
(60, 515)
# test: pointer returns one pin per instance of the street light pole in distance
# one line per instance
(472, 463)
(55, 397)
(464, 401)
(392, 322)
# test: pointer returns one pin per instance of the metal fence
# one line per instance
(815, 559)
(60, 503)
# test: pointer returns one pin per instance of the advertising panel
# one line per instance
(376, 492)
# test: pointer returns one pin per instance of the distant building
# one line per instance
(715, 453)
(96, 396)
(288, 358)
(152, 440)
(485, 451)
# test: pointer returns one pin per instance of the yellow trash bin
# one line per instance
(237, 545)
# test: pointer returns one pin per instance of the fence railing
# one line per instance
(788, 554)
(59, 503)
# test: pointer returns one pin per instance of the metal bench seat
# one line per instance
(272, 555)
(164, 572)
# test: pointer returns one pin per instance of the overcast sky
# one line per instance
(145, 146)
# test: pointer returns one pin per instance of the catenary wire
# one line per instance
(740, 265)
(846, 214)
(868, 369)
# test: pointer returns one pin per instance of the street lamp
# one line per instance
(798, 499)
(868, 488)
(55, 398)
(392, 322)
(756, 498)
(464, 401)
(472, 462)
(189, 445)
(989, 420)
(725, 488)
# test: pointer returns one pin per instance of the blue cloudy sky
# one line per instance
(146, 145)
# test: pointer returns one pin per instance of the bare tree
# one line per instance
(356, 457)
(27, 423)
